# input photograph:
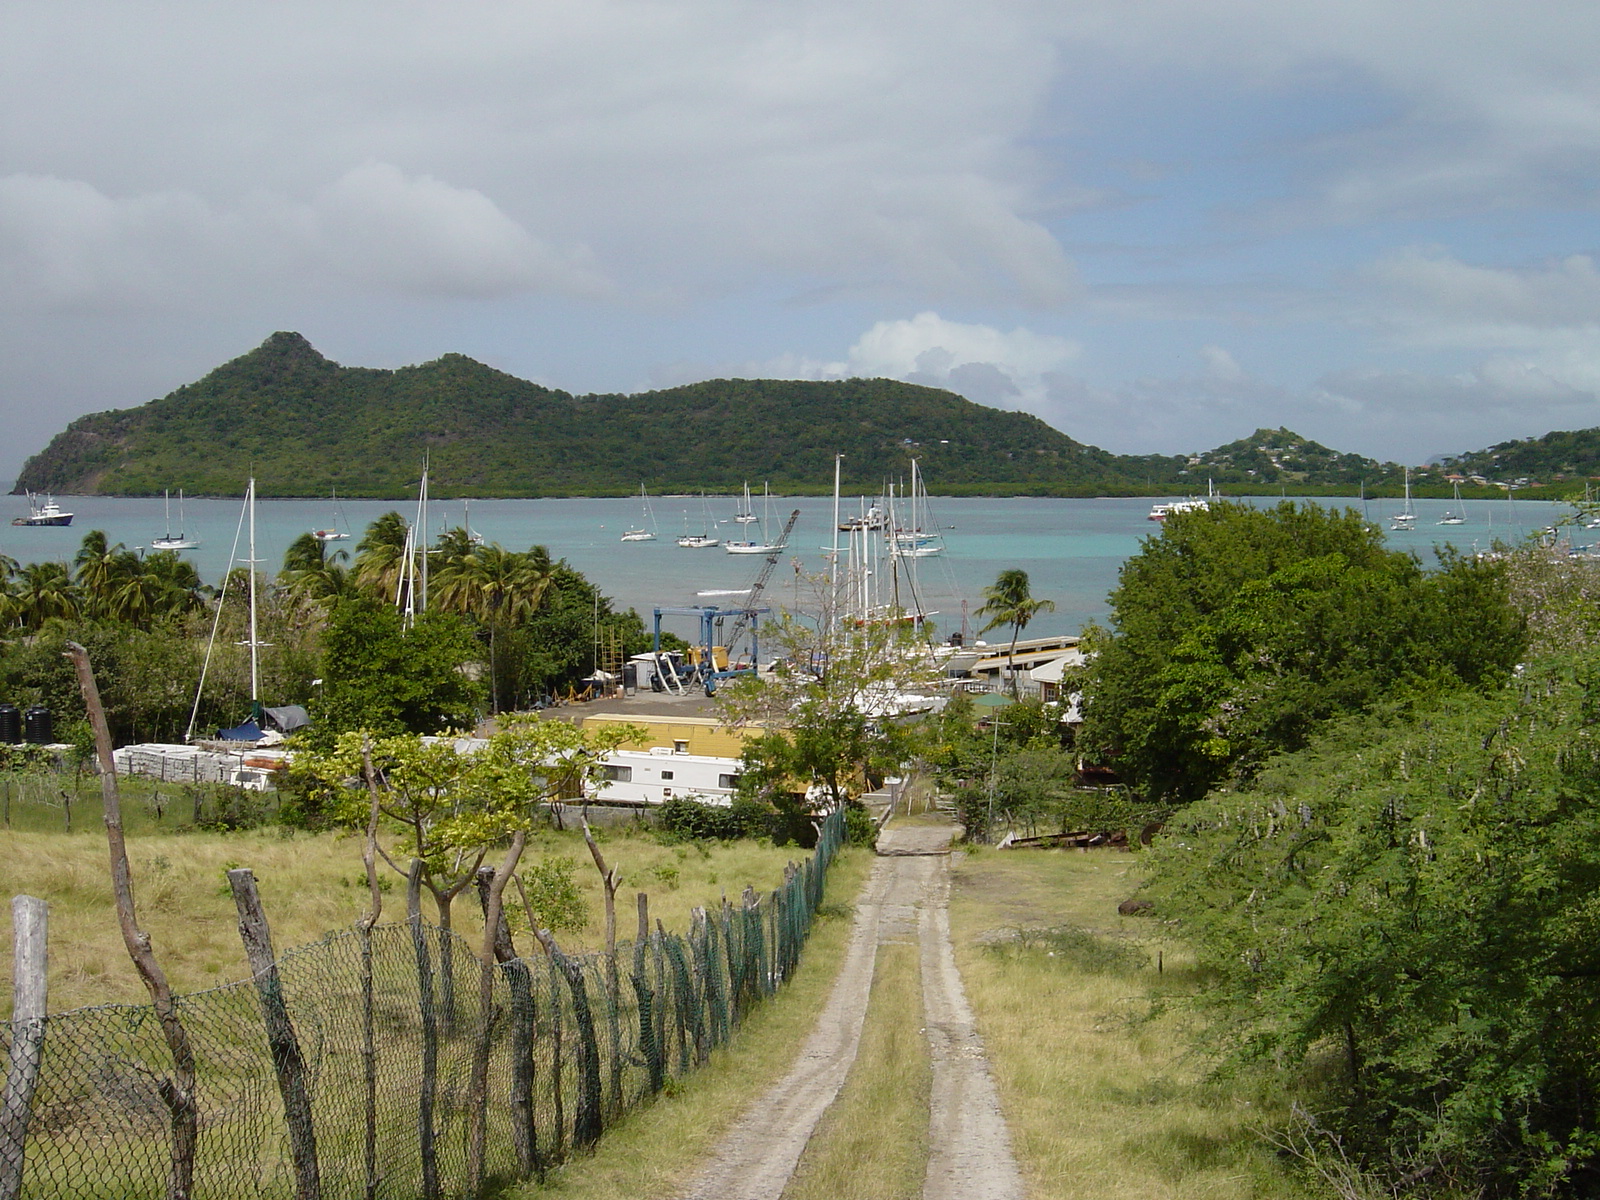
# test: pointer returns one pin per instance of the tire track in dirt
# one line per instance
(906, 899)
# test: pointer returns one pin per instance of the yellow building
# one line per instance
(682, 735)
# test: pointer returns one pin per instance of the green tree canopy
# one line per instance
(1406, 916)
(1236, 632)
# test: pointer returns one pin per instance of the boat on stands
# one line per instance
(43, 512)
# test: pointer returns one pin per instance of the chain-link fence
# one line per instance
(388, 1064)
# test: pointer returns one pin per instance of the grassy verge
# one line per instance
(872, 1144)
(653, 1152)
(1104, 1092)
(311, 883)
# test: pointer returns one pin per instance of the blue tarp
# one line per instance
(248, 732)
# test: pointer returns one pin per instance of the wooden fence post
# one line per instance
(29, 921)
(428, 1085)
(281, 1040)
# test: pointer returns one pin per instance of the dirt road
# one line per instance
(906, 900)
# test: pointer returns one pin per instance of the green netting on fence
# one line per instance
(418, 1086)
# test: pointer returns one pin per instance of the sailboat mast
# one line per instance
(255, 644)
(833, 562)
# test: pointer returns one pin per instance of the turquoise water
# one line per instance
(1071, 549)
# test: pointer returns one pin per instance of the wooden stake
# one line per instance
(281, 1040)
(30, 923)
(177, 1092)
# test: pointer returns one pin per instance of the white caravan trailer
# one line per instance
(659, 774)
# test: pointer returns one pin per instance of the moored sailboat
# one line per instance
(646, 530)
(170, 540)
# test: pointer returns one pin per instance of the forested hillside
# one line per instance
(306, 425)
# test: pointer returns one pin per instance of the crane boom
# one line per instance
(754, 598)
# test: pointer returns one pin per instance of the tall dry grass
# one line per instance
(1105, 1091)
(311, 884)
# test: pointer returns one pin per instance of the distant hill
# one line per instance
(1553, 458)
(305, 425)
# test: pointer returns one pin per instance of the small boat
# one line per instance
(47, 512)
(1406, 518)
(170, 540)
(1176, 508)
(873, 518)
(746, 515)
(911, 540)
(333, 533)
(646, 532)
(763, 546)
(1455, 515)
(699, 541)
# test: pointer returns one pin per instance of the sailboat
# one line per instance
(169, 540)
(646, 532)
(333, 533)
(763, 546)
(698, 541)
(746, 515)
(1456, 514)
(912, 540)
(1406, 518)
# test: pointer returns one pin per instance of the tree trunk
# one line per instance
(177, 1092)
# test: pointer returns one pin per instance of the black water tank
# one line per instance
(41, 732)
(630, 678)
(10, 724)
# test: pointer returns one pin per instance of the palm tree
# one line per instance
(44, 591)
(495, 585)
(381, 555)
(311, 570)
(1009, 601)
(101, 570)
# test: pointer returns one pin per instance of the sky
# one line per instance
(1155, 224)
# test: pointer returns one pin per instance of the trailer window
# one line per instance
(616, 774)
(666, 774)
(728, 781)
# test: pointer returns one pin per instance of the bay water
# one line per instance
(1071, 549)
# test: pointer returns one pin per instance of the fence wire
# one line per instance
(426, 1076)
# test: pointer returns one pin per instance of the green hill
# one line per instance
(304, 425)
(1557, 456)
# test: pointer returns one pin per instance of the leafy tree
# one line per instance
(380, 676)
(1406, 916)
(829, 715)
(1237, 632)
(1010, 601)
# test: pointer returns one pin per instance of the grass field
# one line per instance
(1106, 1096)
(310, 883)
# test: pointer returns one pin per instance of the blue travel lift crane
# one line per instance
(706, 672)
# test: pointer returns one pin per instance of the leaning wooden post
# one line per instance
(610, 879)
(177, 1093)
(496, 939)
(29, 921)
(647, 1000)
(287, 1061)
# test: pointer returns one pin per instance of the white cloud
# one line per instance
(65, 244)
